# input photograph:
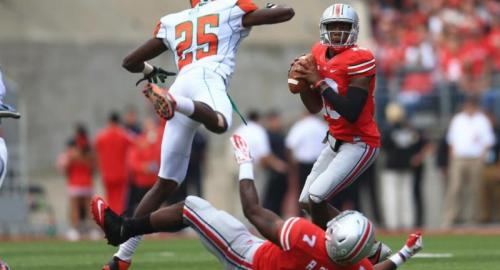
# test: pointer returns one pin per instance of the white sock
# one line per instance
(127, 249)
(184, 105)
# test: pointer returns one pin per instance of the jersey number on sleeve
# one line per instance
(185, 31)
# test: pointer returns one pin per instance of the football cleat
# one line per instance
(110, 223)
(7, 111)
(163, 102)
(117, 264)
(379, 253)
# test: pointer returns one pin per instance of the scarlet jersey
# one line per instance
(302, 246)
(206, 35)
(338, 72)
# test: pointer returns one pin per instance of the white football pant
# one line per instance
(334, 171)
(198, 84)
(222, 234)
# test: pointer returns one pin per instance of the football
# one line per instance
(296, 85)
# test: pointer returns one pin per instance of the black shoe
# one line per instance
(7, 111)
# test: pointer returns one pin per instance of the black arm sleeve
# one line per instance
(349, 106)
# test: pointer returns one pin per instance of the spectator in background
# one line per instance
(305, 142)
(491, 174)
(258, 140)
(144, 162)
(112, 146)
(470, 136)
(277, 181)
(419, 62)
(78, 163)
(131, 121)
(403, 146)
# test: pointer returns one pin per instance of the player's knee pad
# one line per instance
(197, 203)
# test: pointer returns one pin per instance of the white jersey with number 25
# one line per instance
(206, 35)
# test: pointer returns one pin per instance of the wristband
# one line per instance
(246, 171)
(398, 259)
(148, 68)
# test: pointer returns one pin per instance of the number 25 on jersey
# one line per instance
(206, 43)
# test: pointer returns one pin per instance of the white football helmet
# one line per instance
(349, 237)
(339, 13)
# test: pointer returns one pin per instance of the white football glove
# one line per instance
(241, 150)
(413, 245)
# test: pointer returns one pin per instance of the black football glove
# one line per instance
(156, 76)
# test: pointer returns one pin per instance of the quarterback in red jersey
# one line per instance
(341, 76)
(292, 244)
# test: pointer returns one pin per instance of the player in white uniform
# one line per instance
(6, 111)
(204, 40)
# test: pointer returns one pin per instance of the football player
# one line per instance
(204, 40)
(342, 80)
(6, 111)
(295, 243)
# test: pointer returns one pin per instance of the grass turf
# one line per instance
(467, 252)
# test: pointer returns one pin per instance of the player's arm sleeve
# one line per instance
(240, 9)
(289, 233)
(349, 106)
(362, 64)
(160, 32)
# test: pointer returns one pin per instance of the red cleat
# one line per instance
(98, 206)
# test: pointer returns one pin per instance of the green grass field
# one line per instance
(460, 252)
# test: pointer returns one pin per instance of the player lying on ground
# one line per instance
(292, 244)
(204, 40)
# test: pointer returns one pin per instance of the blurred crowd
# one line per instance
(430, 52)
(126, 155)
(442, 56)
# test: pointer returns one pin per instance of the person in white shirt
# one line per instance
(305, 143)
(469, 137)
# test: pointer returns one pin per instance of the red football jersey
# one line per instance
(338, 71)
(302, 246)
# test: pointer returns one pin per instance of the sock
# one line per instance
(184, 105)
(137, 226)
(128, 248)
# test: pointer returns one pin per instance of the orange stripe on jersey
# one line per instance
(157, 29)
(246, 5)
